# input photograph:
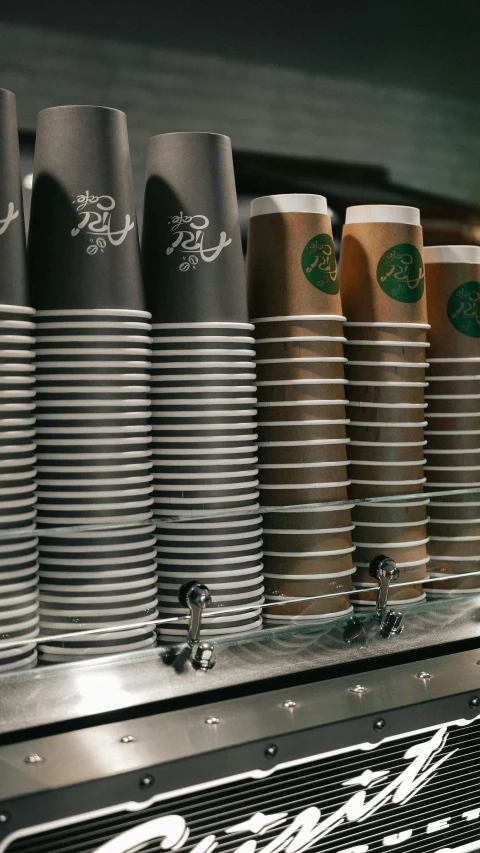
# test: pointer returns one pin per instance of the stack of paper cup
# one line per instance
(383, 295)
(203, 383)
(453, 453)
(93, 360)
(18, 544)
(295, 306)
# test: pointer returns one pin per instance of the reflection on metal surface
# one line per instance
(151, 676)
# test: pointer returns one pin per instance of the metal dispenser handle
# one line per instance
(196, 596)
(385, 570)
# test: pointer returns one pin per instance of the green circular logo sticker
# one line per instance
(319, 264)
(400, 273)
(463, 309)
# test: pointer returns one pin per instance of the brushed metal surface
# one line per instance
(95, 753)
(47, 695)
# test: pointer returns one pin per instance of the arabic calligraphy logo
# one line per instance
(95, 219)
(463, 309)
(400, 273)
(319, 264)
(189, 241)
(308, 827)
(11, 215)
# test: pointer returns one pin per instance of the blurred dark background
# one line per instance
(366, 101)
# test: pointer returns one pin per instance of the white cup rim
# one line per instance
(382, 213)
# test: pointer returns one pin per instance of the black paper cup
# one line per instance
(13, 272)
(83, 250)
(191, 229)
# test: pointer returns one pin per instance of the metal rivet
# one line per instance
(474, 702)
(271, 751)
(212, 721)
(4, 817)
(289, 703)
(128, 739)
(34, 759)
(425, 676)
(358, 689)
(147, 782)
(379, 725)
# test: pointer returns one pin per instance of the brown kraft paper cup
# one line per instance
(457, 441)
(385, 473)
(383, 434)
(304, 474)
(300, 370)
(377, 333)
(310, 520)
(453, 585)
(454, 385)
(303, 453)
(453, 293)
(299, 391)
(307, 541)
(440, 527)
(357, 491)
(307, 565)
(303, 432)
(388, 414)
(408, 554)
(408, 573)
(384, 514)
(440, 460)
(386, 454)
(458, 513)
(454, 548)
(291, 327)
(300, 349)
(320, 410)
(460, 406)
(383, 373)
(283, 262)
(403, 593)
(319, 607)
(385, 352)
(306, 495)
(450, 368)
(390, 394)
(394, 533)
(381, 265)
(453, 478)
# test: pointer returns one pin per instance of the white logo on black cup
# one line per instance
(95, 219)
(189, 241)
(11, 215)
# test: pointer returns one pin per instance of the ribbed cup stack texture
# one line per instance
(202, 385)
(18, 543)
(453, 452)
(93, 349)
(382, 285)
(295, 305)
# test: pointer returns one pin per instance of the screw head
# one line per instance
(379, 724)
(271, 751)
(289, 703)
(359, 689)
(4, 817)
(212, 721)
(33, 758)
(128, 739)
(474, 702)
(425, 676)
(203, 656)
(147, 781)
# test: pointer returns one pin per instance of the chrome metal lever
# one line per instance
(196, 596)
(385, 570)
